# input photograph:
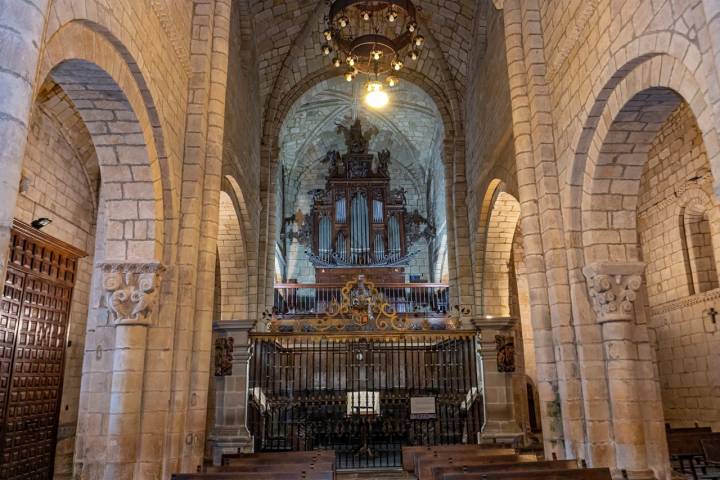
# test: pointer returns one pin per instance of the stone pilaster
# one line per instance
(21, 25)
(501, 424)
(130, 292)
(613, 289)
(229, 432)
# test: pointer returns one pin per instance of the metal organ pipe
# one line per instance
(340, 211)
(359, 229)
(325, 240)
(377, 211)
(394, 237)
(379, 246)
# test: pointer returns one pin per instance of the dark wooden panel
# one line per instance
(33, 334)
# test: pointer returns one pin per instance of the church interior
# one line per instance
(360, 239)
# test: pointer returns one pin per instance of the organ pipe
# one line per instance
(360, 229)
(340, 211)
(394, 238)
(325, 240)
(377, 211)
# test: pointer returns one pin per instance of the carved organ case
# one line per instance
(357, 221)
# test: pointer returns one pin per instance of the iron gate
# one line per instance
(363, 395)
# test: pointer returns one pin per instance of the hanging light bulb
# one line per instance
(336, 61)
(376, 96)
(414, 54)
(392, 15)
(376, 54)
(343, 21)
(412, 26)
(365, 15)
(349, 75)
(351, 60)
(328, 34)
(419, 40)
(326, 49)
(391, 81)
(397, 65)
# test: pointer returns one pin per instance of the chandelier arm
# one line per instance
(339, 5)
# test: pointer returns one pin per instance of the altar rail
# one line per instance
(429, 299)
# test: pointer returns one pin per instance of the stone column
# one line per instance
(501, 425)
(231, 358)
(130, 294)
(21, 30)
(613, 290)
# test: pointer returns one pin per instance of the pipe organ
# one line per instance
(368, 365)
(357, 220)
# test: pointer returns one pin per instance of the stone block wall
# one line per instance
(687, 343)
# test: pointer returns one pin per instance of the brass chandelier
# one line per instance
(372, 37)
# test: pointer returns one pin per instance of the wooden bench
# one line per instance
(255, 476)
(324, 456)
(274, 467)
(424, 463)
(409, 453)
(440, 472)
(573, 474)
(687, 447)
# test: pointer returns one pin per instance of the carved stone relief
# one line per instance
(130, 291)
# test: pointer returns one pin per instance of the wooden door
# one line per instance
(34, 311)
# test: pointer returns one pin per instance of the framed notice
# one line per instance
(422, 408)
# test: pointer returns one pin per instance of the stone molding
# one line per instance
(181, 52)
(672, 200)
(130, 291)
(613, 289)
(673, 305)
(499, 4)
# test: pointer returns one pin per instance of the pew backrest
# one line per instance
(409, 453)
(711, 449)
(688, 444)
(274, 467)
(576, 474)
(439, 472)
(425, 463)
(282, 456)
(299, 475)
(316, 456)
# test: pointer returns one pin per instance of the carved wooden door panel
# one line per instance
(34, 312)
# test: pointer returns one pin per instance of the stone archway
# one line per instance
(611, 157)
(128, 228)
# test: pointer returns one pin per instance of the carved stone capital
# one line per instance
(130, 291)
(613, 289)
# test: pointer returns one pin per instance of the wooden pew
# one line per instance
(300, 475)
(409, 453)
(711, 450)
(441, 471)
(574, 474)
(273, 468)
(424, 463)
(687, 446)
(324, 456)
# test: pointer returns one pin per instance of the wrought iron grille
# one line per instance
(363, 395)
